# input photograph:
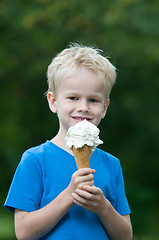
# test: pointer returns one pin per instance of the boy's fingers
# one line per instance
(92, 189)
(90, 183)
(85, 171)
(84, 194)
(86, 178)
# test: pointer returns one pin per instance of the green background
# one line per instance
(32, 33)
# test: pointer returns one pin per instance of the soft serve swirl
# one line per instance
(83, 133)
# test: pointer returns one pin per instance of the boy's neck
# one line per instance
(59, 140)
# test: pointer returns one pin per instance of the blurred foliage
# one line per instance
(32, 32)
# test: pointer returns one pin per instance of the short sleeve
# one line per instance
(121, 205)
(26, 188)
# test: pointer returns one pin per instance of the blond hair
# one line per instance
(70, 59)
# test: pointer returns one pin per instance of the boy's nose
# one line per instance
(83, 106)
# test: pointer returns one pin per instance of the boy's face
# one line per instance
(79, 97)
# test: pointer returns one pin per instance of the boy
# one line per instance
(50, 198)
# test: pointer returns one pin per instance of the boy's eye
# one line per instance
(73, 98)
(93, 100)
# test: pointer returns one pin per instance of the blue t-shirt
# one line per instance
(46, 170)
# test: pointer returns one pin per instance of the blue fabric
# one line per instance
(46, 170)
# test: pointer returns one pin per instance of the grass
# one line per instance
(7, 227)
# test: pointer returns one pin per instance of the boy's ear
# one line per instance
(106, 105)
(52, 102)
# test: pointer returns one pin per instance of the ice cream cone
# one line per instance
(82, 156)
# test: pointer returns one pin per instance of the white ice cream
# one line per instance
(83, 133)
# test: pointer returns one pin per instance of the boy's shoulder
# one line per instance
(36, 151)
(39, 148)
(107, 155)
(109, 161)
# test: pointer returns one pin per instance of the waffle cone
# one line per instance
(82, 156)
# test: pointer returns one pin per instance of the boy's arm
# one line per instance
(92, 198)
(33, 225)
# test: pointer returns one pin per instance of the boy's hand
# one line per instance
(81, 177)
(91, 198)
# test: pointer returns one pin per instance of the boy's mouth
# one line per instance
(78, 118)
